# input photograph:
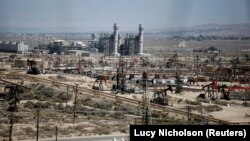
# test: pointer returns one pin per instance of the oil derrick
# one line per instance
(209, 89)
(197, 59)
(225, 94)
(32, 67)
(81, 63)
(98, 85)
(178, 83)
(146, 114)
(12, 97)
(145, 61)
(160, 97)
(247, 57)
(234, 62)
(121, 77)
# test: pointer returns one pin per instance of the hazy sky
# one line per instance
(99, 15)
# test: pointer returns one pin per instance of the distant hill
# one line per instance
(207, 29)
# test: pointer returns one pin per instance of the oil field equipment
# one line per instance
(178, 83)
(160, 97)
(121, 78)
(209, 89)
(225, 94)
(32, 67)
(12, 97)
(146, 113)
(98, 85)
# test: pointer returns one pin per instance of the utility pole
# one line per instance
(67, 63)
(37, 124)
(74, 116)
(203, 119)
(80, 66)
(115, 106)
(67, 96)
(11, 126)
(56, 133)
(246, 92)
(146, 115)
(188, 110)
(14, 91)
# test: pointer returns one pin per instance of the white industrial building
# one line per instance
(78, 44)
(20, 47)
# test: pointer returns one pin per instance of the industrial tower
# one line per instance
(146, 113)
(133, 45)
(140, 40)
(115, 41)
(110, 44)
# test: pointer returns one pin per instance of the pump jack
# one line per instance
(160, 97)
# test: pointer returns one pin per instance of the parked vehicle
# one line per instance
(138, 91)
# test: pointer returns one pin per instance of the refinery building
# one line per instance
(111, 44)
(18, 47)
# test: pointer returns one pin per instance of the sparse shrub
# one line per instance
(62, 97)
(47, 128)
(203, 100)
(246, 104)
(47, 131)
(87, 101)
(79, 127)
(123, 128)
(103, 104)
(134, 97)
(213, 108)
(49, 93)
(21, 89)
(61, 107)
(4, 132)
(125, 108)
(27, 96)
(32, 105)
(179, 100)
(219, 102)
(165, 115)
(192, 102)
(61, 77)
(29, 131)
(156, 114)
(104, 130)
(118, 115)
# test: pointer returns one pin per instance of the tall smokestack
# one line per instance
(115, 43)
(119, 40)
(93, 36)
(140, 46)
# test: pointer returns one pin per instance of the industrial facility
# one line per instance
(133, 45)
(17, 47)
(124, 70)
(112, 44)
(58, 46)
(109, 44)
(100, 86)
